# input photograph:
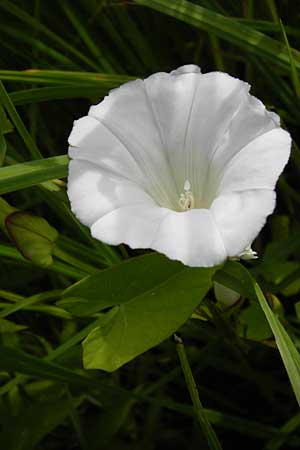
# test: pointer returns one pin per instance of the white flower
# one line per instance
(183, 163)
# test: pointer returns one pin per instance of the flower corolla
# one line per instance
(183, 163)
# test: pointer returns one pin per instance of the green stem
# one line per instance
(10, 252)
(206, 427)
(28, 301)
(72, 260)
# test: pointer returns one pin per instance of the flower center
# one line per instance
(186, 200)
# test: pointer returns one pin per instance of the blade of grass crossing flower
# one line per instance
(294, 73)
(17, 121)
(287, 349)
(227, 29)
(20, 176)
(210, 435)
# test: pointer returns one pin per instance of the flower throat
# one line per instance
(186, 200)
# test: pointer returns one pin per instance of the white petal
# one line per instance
(127, 113)
(134, 225)
(188, 68)
(240, 216)
(259, 164)
(193, 111)
(91, 141)
(190, 237)
(250, 121)
(93, 192)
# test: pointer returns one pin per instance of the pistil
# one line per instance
(186, 200)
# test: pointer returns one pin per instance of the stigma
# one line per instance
(186, 200)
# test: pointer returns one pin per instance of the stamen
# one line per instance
(186, 200)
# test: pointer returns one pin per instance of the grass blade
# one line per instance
(206, 427)
(23, 175)
(18, 123)
(227, 29)
(294, 74)
(286, 347)
(64, 77)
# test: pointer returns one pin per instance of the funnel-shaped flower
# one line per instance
(183, 163)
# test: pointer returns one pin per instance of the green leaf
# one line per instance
(254, 323)
(23, 175)
(33, 237)
(234, 276)
(118, 284)
(146, 320)
(228, 29)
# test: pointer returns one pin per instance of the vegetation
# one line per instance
(71, 376)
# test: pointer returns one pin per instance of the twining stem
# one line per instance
(206, 428)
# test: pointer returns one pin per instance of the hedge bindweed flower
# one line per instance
(183, 163)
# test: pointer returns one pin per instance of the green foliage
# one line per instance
(146, 319)
(20, 176)
(119, 284)
(68, 300)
